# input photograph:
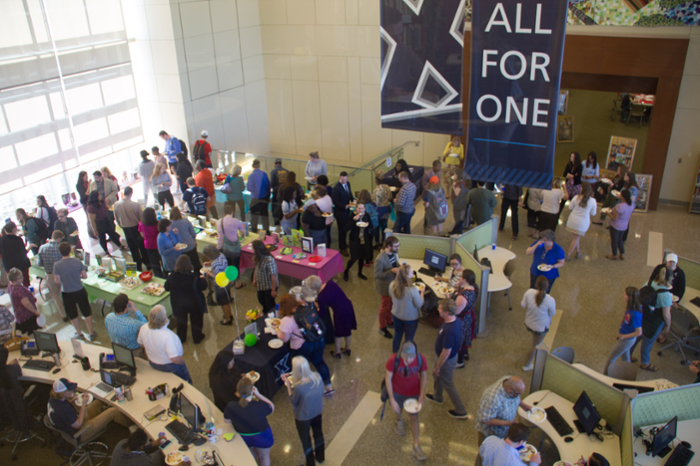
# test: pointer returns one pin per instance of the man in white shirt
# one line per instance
(162, 345)
(496, 451)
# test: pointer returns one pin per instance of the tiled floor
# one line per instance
(589, 295)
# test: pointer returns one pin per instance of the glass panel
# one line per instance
(3, 126)
(84, 98)
(7, 155)
(14, 28)
(124, 121)
(118, 90)
(64, 139)
(38, 21)
(105, 16)
(90, 131)
(27, 113)
(36, 148)
(57, 105)
(68, 19)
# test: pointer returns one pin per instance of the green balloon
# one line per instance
(231, 272)
(250, 339)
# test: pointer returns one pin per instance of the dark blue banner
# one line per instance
(422, 44)
(516, 55)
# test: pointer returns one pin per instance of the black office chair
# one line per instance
(14, 413)
(82, 449)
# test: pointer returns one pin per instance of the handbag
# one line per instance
(226, 188)
(231, 247)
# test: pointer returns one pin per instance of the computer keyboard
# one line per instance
(180, 431)
(122, 379)
(39, 365)
(680, 456)
(560, 425)
(429, 272)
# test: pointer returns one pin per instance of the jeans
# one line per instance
(647, 344)
(266, 300)
(617, 241)
(178, 369)
(513, 206)
(258, 208)
(401, 326)
(537, 338)
(533, 279)
(445, 382)
(318, 447)
(403, 222)
(313, 352)
(621, 348)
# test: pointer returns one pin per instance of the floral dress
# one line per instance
(468, 318)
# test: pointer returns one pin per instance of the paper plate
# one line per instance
(174, 458)
(79, 400)
(411, 406)
(41, 320)
(537, 415)
(527, 452)
(544, 267)
(327, 214)
(275, 343)
(615, 192)
(300, 255)
(315, 259)
(674, 298)
(362, 224)
(252, 375)
(393, 188)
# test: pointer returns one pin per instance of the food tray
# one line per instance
(130, 283)
(286, 251)
(114, 277)
(153, 289)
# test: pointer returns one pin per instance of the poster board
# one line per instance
(695, 198)
(565, 128)
(620, 152)
(644, 184)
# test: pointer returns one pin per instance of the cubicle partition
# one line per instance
(482, 280)
(627, 438)
(660, 406)
(479, 237)
(692, 272)
(414, 246)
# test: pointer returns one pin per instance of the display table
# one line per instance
(203, 239)
(582, 445)
(329, 266)
(234, 452)
(656, 384)
(688, 431)
(269, 363)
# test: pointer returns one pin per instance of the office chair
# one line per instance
(623, 370)
(615, 110)
(636, 111)
(15, 412)
(82, 450)
(564, 353)
(683, 324)
(508, 271)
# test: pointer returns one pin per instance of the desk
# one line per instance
(232, 452)
(656, 384)
(429, 281)
(269, 363)
(499, 258)
(582, 444)
(329, 266)
(690, 293)
(687, 430)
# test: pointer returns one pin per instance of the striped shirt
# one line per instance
(496, 404)
(48, 256)
(124, 329)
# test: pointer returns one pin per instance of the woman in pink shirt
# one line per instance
(619, 222)
(148, 226)
(230, 231)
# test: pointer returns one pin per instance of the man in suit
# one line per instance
(386, 265)
(342, 197)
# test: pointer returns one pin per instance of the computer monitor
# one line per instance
(47, 342)
(434, 260)
(124, 356)
(663, 437)
(587, 414)
(189, 411)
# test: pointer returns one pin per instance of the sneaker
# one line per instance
(385, 333)
(77, 336)
(366, 264)
(391, 325)
(432, 398)
(418, 453)
(456, 415)
(399, 427)
(529, 367)
(93, 336)
(459, 365)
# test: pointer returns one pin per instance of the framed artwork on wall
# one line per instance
(644, 185)
(620, 152)
(565, 128)
(563, 102)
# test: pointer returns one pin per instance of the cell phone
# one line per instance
(109, 358)
(165, 444)
(31, 344)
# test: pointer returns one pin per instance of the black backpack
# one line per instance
(310, 323)
(183, 147)
(198, 202)
(42, 229)
(53, 216)
(198, 151)
(647, 298)
(384, 394)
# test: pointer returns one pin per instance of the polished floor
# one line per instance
(588, 294)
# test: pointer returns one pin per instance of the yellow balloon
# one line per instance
(221, 279)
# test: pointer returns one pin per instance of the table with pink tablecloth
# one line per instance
(326, 269)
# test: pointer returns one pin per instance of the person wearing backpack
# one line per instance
(202, 150)
(195, 197)
(405, 378)
(656, 300)
(288, 331)
(436, 208)
(511, 199)
(35, 230)
(45, 212)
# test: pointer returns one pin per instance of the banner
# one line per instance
(422, 46)
(516, 55)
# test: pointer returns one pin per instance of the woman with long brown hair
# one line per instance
(466, 297)
(407, 301)
(538, 318)
(630, 329)
(582, 209)
(572, 173)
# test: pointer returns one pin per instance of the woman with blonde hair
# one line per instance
(235, 196)
(382, 197)
(306, 394)
(406, 303)
(248, 416)
(161, 182)
(331, 296)
(582, 209)
(538, 318)
(549, 212)
(107, 173)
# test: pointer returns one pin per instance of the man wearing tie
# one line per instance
(342, 197)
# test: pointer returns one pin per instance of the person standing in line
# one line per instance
(235, 197)
(404, 204)
(186, 298)
(168, 238)
(265, 277)
(630, 329)
(172, 148)
(406, 377)
(315, 167)
(14, 252)
(202, 150)
(330, 295)
(534, 206)
(187, 236)
(48, 256)
(204, 179)
(406, 303)
(548, 253)
(277, 176)
(540, 309)
(259, 187)
(342, 198)
(435, 205)
(196, 198)
(386, 266)
(582, 209)
(290, 210)
(146, 168)
(551, 201)
(230, 230)
(458, 195)
(124, 323)
(466, 297)
(127, 213)
(161, 182)
(446, 349)
(497, 451)
(23, 304)
(162, 345)
(68, 272)
(68, 227)
(148, 227)
(33, 234)
(248, 416)
(453, 155)
(305, 390)
(619, 223)
(83, 189)
(217, 263)
(158, 157)
(382, 196)
(436, 170)
(360, 242)
(498, 408)
(511, 200)
(482, 202)
(184, 171)
(98, 215)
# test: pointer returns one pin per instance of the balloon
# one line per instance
(231, 272)
(221, 279)
(250, 339)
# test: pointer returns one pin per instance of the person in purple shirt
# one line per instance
(259, 187)
(619, 222)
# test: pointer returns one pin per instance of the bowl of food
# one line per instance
(275, 322)
(537, 415)
(419, 285)
(174, 458)
(146, 276)
(253, 376)
(527, 451)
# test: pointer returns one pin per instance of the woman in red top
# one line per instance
(23, 303)
(148, 226)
